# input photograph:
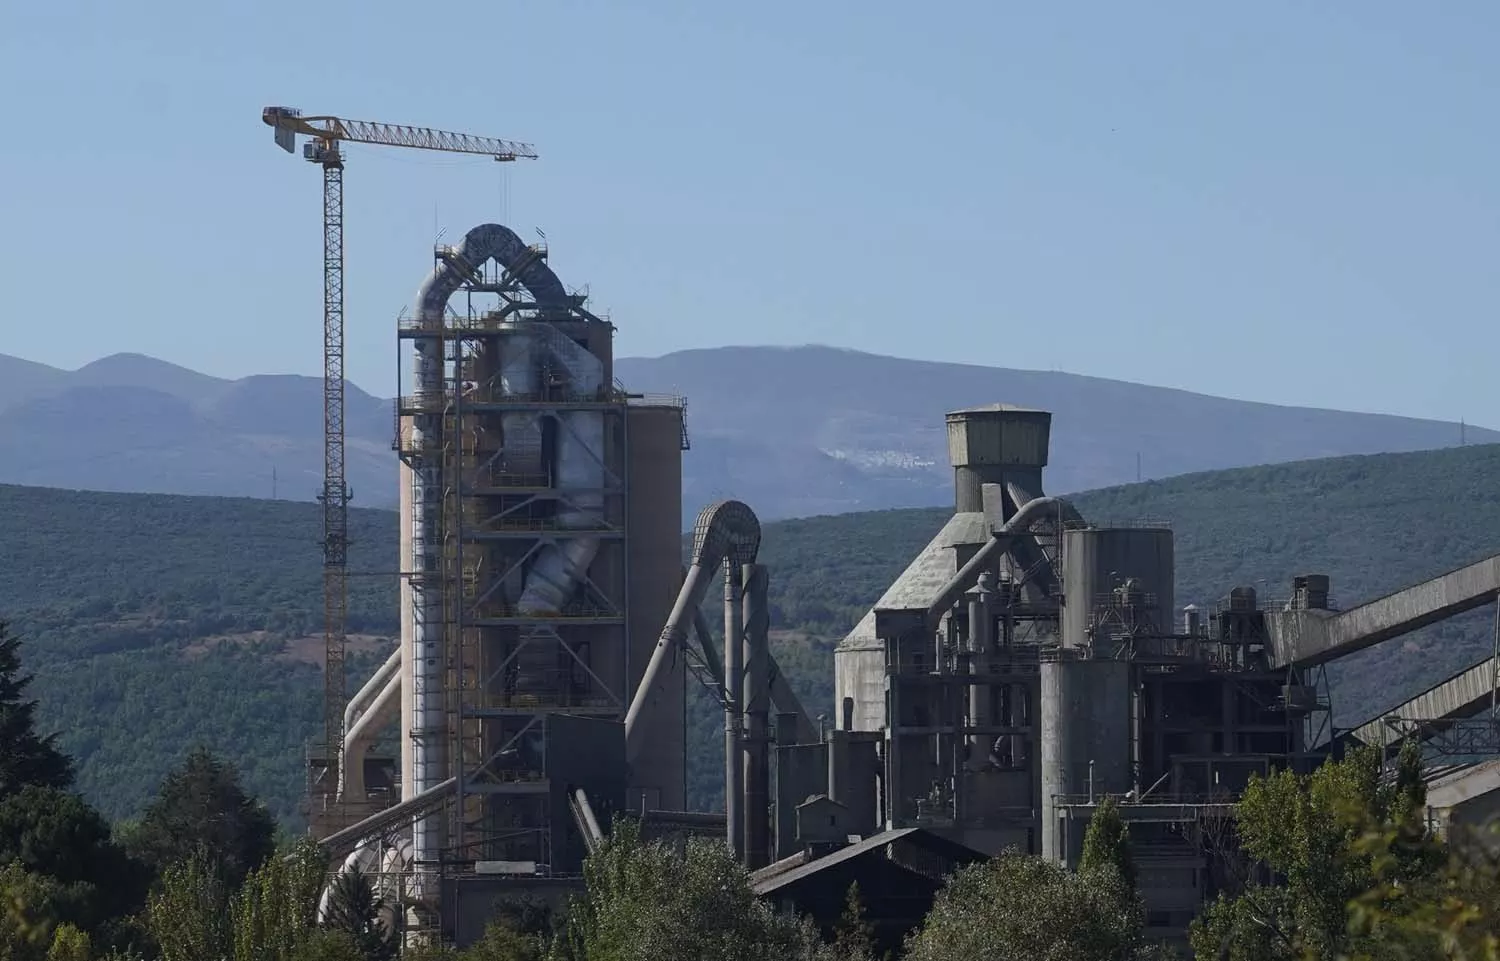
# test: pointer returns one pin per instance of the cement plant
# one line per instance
(1028, 663)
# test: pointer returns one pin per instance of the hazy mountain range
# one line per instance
(793, 431)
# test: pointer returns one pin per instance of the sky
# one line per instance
(1293, 202)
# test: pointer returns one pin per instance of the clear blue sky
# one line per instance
(1293, 202)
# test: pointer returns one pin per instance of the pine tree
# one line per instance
(354, 909)
(854, 936)
(26, 758)
(202, 806)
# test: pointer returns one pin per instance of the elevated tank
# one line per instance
(1096, 560)
(1085, 733)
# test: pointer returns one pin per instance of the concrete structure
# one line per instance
(1028, 664)
(540, 549)
(1466, 803)
(1024, 666)
(1310, 634)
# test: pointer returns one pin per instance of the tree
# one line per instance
(1313, 833)
(325, 945)
(70, 944)
(354, 909)
(25, 757)
(28, 914)
(1017, 906)
(56, 834)
(853, 936)
(503, 943)
(1106, 843)
(644, 900)
(187, 914)
(202, 807)
(274, 913)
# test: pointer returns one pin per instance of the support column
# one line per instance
(757, 656)
(734, 671)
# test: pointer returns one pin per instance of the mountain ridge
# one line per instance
(794, 430)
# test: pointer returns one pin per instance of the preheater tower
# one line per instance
(540, 515)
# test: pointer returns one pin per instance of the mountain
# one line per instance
(157, 622)
(137, 424)
(794, 431)
(866, 432)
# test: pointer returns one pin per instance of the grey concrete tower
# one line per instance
(997, 444)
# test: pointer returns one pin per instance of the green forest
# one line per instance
(158, 623)
(201, 875)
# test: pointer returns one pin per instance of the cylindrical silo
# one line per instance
(1085, 734)
(1096, 560)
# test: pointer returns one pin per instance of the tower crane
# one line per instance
(326, 134)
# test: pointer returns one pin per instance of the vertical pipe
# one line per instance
(427, 633)
(785, 833)
(893, 794)
(977, 745)
(1495, 667)
(734, 676)
(757, 707)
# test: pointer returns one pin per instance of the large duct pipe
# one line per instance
(383, 710)
(588, 824)
(580, 474)
(757, 776)
(694, 588)
(1030, 513)
(360, 704)
(734, 701)
(726, 531)
(458, 264)
(427, 622)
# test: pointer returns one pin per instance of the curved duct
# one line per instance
(1035, 510)
(727, 531)
(383, 711)
(1028, 552)
(459, 263)
(580, 478)
(384, 864)
(365, 859)
(376, 689)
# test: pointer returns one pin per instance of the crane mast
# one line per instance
(326, 133)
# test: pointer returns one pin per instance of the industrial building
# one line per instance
(1028, 663)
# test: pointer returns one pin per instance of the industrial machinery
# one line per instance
(323, 149)
(1028, 663)
(539, 682)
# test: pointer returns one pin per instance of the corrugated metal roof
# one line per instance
(1455, 789)
(925, 576)
(950, 849)
(870, 843)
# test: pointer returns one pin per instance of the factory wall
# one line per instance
(586, 753)
(654, 560)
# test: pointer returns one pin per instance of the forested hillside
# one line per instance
(157, 622)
